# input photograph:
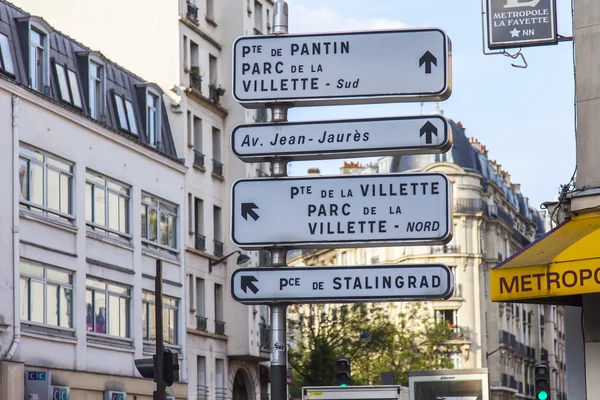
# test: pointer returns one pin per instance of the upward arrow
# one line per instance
(428, 59)
(248, 210)
(428, 130)
(247, 282)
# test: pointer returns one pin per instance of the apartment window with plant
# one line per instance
(106, 205)
(46, 295)
(170, 318)
(6, 58)
(68, 85)
(37, 59)
(95, 86)
(46, 183)
(107, 306)
(153, 119)
(125, 114)
(195, 73)
(159, 223)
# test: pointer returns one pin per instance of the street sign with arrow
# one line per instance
(342, 68)
(344, 211)
(339, 139)
(342, 284)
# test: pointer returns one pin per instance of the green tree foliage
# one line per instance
(375, 337)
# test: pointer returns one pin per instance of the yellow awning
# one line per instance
(557, 268)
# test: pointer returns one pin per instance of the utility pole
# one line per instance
(159, 394)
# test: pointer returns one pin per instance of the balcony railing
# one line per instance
(452, 249)
(471, 206)
(217, 168)
(201, 323)
(200, 242)
(461, 333)
(504, 338)
(196, 81)
(504, 380)
(202, 392)
(505, 216)
(192, 11)
(265, 337)
(220, 393)
(198, 159)
(219, 327)
(215, 93)
(520, 387)
(218, 248)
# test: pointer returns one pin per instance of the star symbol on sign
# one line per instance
(515, 32)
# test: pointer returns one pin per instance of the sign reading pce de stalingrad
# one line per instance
(342, 284)
(342, 68)
(335, 139)
(519, 23)
(347, 211)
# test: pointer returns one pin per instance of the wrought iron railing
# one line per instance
(198, 159)
(471, 206)
(201, 323)
(196, 81)
(219, 327)
(220, 393)
(202, 392)
(192, 11)
(448, 249)
(217, 168)
(218, 248)
(200, 242)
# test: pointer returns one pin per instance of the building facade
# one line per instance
(94, 194)
(185, 47)
(492, 219)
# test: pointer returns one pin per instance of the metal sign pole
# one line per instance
(158, 370)
(279, 113)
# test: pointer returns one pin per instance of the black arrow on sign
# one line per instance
(248, 283)
(248, 209)
(428, 59)
(428, 129)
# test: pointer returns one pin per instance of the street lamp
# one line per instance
(242, 259)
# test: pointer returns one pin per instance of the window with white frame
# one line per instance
(106, 205)
(46, 183)
(68, 85)
(6, 58)
(153, 119)
(170, 318)
(159, 223)
(210, 10)
(37, 59)
(258, 17)
(107, 308)
(96, 91)
(46, 295)
(125, 114)
(201, 369)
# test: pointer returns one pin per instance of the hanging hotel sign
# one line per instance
(519, 23)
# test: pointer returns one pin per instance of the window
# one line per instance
(212, 70)
(200, 306)
(126, 115)
(210, 9)
(217, 223)
(107, 308)
(68, 86)
(216, 144)
(46, 183)
(37, 59)
(197, 134)
(186, 61)
(106, 205)
(159, 223)
(194, 57)
(268, 21)
(201, 368)
(6, 60)
(446, 315)
(170, 318)
(95, 90)
(218, 302)
(199, 215)
(46, 295)
(219, 379)
(153, 119)
(258, 17)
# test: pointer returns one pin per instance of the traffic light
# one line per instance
(343, 372)
(146, 367)
(542, 382)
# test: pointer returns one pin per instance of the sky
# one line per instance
(525, 117)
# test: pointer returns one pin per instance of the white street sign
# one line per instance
(338, 139)
(342, 68)
(342, 284)
(346, 211)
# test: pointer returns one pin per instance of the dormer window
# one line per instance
(68, 86)
(153, 118)
(6, 60)
(125, 115)
(95, 89)
(37, 59)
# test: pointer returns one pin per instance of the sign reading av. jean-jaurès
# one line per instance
(518, 23)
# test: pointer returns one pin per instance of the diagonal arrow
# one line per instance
(247, 282)
(428, 59)
(428, 129)
(248, 210)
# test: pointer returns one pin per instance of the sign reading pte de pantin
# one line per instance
(342, 284)
(346, 211)
(342, 68)
(336, 139)
(520, 23)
